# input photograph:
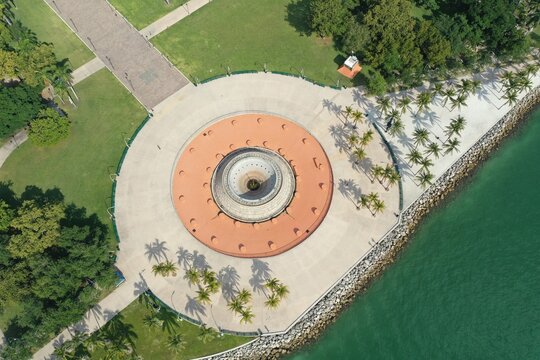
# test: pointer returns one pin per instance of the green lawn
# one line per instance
(151, 343)
(142, 13)
(80, 165)
(246, 34)
(39, 17)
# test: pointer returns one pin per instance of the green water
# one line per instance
(468, 284)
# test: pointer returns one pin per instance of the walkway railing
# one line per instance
(215, 77)
(118, 167)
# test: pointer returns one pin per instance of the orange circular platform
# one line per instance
(197, 209)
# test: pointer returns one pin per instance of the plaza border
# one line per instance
(357, 279)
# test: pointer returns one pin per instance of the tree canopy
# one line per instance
(49, 127)
(52, 254)
(403, 47)
(19, 104)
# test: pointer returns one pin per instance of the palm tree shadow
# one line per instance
(169, 320)
(184, 257)
(260, 273)
(194, 308)
(140, 287)
(117, 329)
(340, 133)
(350, 190)
(199, 261)
(156, 250)
(229, 279)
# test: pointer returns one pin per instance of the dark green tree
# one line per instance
(19, 104)
(328, 17)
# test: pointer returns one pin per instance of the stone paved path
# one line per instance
(172, 18)
(134, 61)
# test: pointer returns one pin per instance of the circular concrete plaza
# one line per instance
(251, 176)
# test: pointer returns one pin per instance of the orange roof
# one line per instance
(194, 203)
(350, 73)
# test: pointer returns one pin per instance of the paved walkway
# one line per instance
(13, 143)
(134, 61)
(172, 18)
(98, 316)
(87, 69)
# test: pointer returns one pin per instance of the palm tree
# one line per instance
(206, 334)
(357, 117)
(378, 172)
(438, 88)
(208, 276)
(272, 284)
(458, 102)
(459, 124)
(348, 112)
(449, 95)
(192, 276)
(506, 77)
(366, 138)
(414, 157)
(420, 136)
(66, 351)
(236, 305)
(281, 291)
(152, 321)
(451, 145)
(359, 154)
(531, 69)
(62, 74)
(272, 302)
(476, 85)
(423, 100)
(176, 343)
(465, 87)
(213, 286)
(425, 178)
(404, 104)
(244, 296)
(397, 128)
(352, 140)
(246, 316)
(425, 164)
(203, 296)
(511, 98)
(433, 148)
(391, 175)
(383, 104)
(364, 201)
(165, 268)
(455, 127)
(378, 206)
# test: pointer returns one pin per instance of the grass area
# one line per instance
(151, 343)
(48, 27)
(80, 165)
(246, 34)
(10, 310)
(142, 13)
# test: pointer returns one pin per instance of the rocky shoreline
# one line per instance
(359, 277)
